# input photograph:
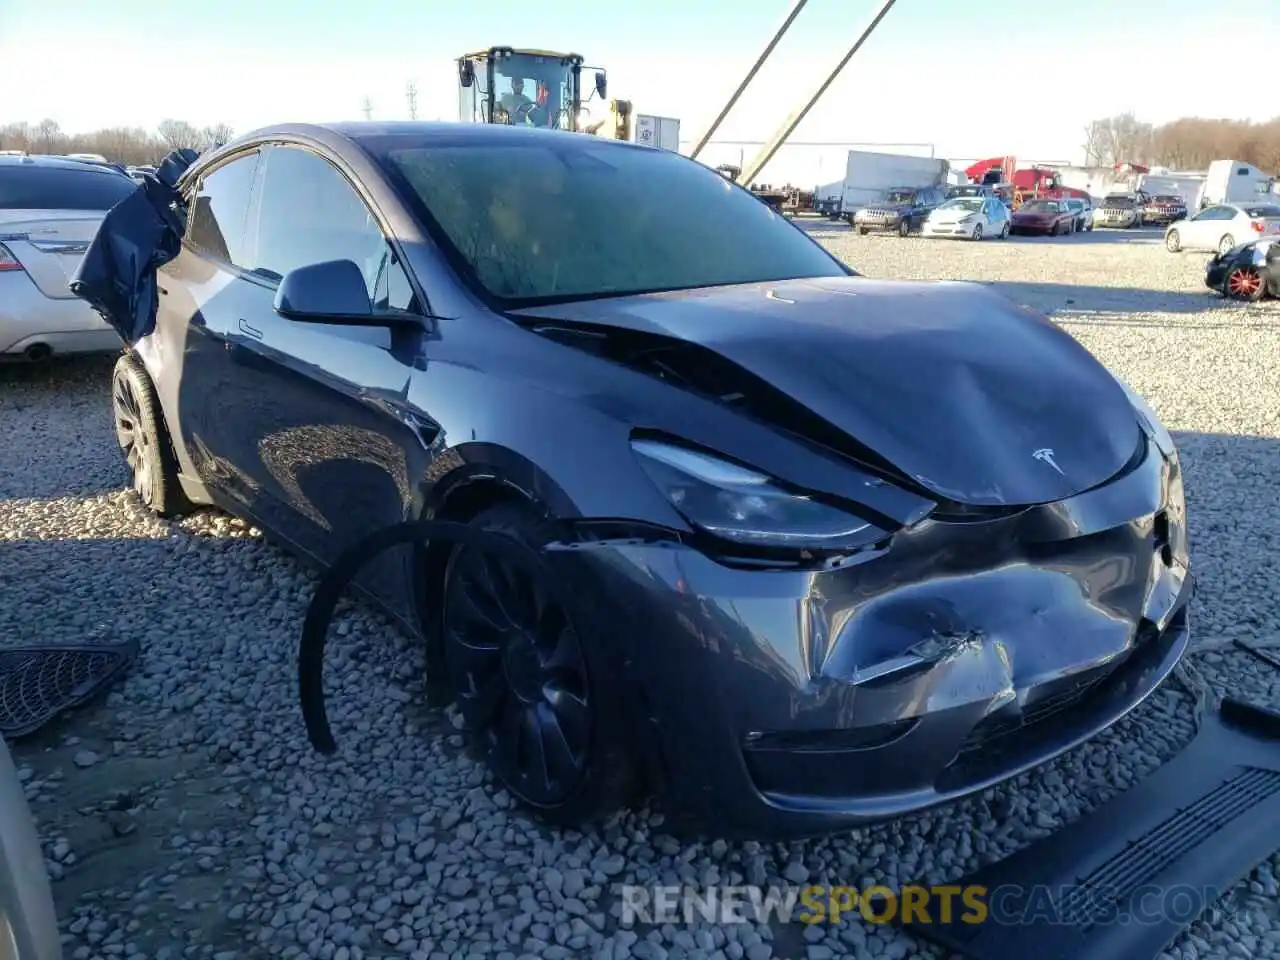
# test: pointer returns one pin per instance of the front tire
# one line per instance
(1244, 283)
(144, 439)
(1226, 244)
(977, 231)
(536, 687)
(1004, 231)
(904, 227)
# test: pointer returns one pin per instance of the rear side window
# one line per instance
(218, 214)
(33, 187)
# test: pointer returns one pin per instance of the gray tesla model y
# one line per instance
(842, 548)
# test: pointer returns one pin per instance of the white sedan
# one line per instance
(1224, 226)
(50, 208)
(972, 218)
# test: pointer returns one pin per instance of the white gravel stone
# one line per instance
(217, 832)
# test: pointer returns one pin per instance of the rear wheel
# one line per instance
(1173, 241)
(1226, 244)
(977, 231)
(1244, 283)
(144, 440)
(534, 684)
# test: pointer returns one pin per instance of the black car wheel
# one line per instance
(143, 439)
(1245, 283)
(1226, 244)
(904, 227)
(531, 682)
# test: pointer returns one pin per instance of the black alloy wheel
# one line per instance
(539, 706)
(144, 440)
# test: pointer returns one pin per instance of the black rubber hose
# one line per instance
(334, 582)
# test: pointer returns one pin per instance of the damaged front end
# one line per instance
(970, 649)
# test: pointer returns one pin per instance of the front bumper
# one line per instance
(786, 704)
(1030, 227)
(931, 229)
(877, 221)
(1115, 222)
(1163, 217)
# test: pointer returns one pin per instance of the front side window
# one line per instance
(561, 218)
(309, 213)
(217, 218)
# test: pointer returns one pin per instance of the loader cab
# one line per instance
(536, 88)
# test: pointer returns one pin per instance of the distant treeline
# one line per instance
(126, 145)
(1189, 143)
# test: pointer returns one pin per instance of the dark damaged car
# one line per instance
(840, 548)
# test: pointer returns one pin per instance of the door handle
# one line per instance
(250, 331)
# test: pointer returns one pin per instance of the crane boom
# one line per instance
(705, 138)
(752, 169)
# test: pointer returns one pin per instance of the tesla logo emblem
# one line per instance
(1045, 455)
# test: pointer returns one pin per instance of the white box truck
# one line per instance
(660, 132)
(1232, 181)
(869, 176)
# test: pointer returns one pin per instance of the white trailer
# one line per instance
(869, 176)
(660, 132)
(1232, 181)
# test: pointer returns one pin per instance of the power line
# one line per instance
(411, 94)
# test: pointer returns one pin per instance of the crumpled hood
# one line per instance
(978, 400)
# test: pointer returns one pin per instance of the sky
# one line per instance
(937, 77)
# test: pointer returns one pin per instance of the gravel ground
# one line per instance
(185, 815)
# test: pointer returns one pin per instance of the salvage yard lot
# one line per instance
(187, 816)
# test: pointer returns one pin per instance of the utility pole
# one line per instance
(790, 18)
(366, 107)
(752, 169)
(411, 94)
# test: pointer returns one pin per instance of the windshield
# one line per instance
(962, 203)
(1041, 206)
(1165, 198)
(1118, 202)
(901, 196)
(973, 191)
(569, 218)
(533, 90)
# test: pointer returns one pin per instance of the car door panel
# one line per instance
(337, 452)
(201, 293)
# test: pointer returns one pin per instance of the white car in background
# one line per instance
(972, 218)
(1223, 227)
(50, 208)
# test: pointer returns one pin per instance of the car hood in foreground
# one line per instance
(975, 399)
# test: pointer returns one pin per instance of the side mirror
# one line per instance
(330, 292)
(466, 73)
(602, 84)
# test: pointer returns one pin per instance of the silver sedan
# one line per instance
(50, 208)
(1223, 227)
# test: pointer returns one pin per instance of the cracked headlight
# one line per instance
(1150, 422)
(739, 504)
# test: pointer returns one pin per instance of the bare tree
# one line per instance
(1187, 143)
(126, 145)
(178, 134)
